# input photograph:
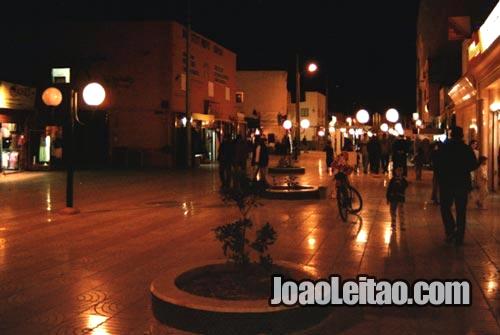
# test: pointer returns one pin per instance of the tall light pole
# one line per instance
(93, 95)
(297, 108)
(188, 109)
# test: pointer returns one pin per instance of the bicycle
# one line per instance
(349, 200)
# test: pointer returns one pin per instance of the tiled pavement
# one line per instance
(90, 273)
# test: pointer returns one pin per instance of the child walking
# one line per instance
(396, 197)
(481, 182)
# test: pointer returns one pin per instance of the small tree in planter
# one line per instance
(233, 236)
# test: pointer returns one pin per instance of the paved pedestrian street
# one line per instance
(90, 273)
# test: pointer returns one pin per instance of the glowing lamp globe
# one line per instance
(257, 132)
(321, 133)
(384, 127)
(351, 131)
(349, 120)
(418, 123)
(305, 123)
(415, 116)
(362, 116)
(94, 94)
(359, 132)
(392, 115)
(287, 124)
(370, 134)
(52, 97)
(331, 129)
(312, 67)
(495, 107)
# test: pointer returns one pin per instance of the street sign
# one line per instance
(61, 75)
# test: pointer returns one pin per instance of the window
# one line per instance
(205, 44)
(210, 89)
(228, 94)
(239, 97)
(304, 112)
(218, 50)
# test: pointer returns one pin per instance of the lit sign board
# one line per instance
(13, 96)
(490, 29)
(61, 75)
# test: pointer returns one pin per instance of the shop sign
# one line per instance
(61, 75)
(13, 96)
(490, 29)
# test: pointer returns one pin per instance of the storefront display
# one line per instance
(46, 147)
(11, 146)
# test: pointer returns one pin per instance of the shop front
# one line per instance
(477, 94)
(17, 103)
(204, 138)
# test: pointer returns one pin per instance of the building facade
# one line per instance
(17, 107)
(312, 109)
(442, 25)
(142, 66)
(263, 94)
(476, 94)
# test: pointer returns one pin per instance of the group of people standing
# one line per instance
(376, 152)
(233, 156)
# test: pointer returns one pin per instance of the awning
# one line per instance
(462, 91)
(203, 117)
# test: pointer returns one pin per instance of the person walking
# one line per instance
(456, 161)
(260, 160)
(419, 163)
(329, 154)
(434, 162)
(363, 148)
(481, 183)
(385, 151)
(374, 152)
(399, 154)
(225, 157)
(396, 198)
(240, 154)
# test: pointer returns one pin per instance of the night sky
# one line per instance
(367, 48)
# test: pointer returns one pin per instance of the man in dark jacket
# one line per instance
(226, 158)
(455, 161)
(399, 154)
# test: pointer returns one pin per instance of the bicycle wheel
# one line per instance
(356, 203)
(342, 205)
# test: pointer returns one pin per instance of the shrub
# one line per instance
(233, 236)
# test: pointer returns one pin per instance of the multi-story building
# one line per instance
(313, 109)
(476, 94)
(263, 94)
(442, 25)
(142, 65)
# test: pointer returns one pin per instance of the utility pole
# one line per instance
(189, 159)
(297, 108)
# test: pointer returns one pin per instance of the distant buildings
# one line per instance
(263, 94)
(312, 109)
(143, 68)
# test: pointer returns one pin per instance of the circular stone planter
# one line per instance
(286, 170)
(207, 315)
(299, 192)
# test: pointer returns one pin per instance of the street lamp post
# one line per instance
(93, 95)
(297, 108)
